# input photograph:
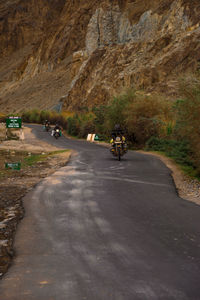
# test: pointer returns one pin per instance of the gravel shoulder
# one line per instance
(15, 184)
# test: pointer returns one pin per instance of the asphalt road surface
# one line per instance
(100, 229)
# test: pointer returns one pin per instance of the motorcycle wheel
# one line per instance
(119, 154)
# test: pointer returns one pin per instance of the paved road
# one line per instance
(100, 229)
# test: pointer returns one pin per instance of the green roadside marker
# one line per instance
(13, 166)
(96, 138)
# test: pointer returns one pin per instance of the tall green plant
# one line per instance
(188, 114)
(146, 116)
(73, 127)
(115, 112)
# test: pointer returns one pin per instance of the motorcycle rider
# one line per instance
(46, 124)
(55, 128)
(117, 131)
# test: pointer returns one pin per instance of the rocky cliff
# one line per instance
(84, 52)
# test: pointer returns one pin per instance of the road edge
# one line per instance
(187, 188)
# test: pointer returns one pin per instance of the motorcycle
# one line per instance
(57, 133)
(119, 147)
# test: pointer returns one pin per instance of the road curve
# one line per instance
(100, 229)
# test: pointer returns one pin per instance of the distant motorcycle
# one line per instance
(57, 133)
(119, 147)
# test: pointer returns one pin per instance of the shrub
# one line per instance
(147, 116)
(178, 150)
(85, 128)
(188, 108)
(86, 122)
(25, 117)
(115, 110)
(73, 127)
(188, 114)
(44, 115)
(99, 118)
(32, 116)
(36, 116)
(2, 118)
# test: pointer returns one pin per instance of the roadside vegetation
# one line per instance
(150, 121)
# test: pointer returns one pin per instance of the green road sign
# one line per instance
(13, 166)
(14, 122)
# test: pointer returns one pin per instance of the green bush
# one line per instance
(187, 111)
(32, 116)
(147, 116)
(99, 118)
(44, 115)
(36, 116)
(139, 115)
(178, 150)
(73, 127)
(87, 125)
(116, 109)
(85, 128)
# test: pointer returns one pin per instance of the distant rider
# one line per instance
(117, 132)
(47, 125)
(55, 128)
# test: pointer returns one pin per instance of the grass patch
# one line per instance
(35, 158)
(190, 171)
(26, 159)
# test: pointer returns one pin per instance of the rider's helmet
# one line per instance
(117, 127)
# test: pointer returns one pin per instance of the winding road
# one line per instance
(100, 229)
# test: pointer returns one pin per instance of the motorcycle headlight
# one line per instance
(118, 139)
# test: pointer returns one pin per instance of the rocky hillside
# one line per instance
(83, 52)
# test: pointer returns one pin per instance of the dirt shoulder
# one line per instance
(36, 164)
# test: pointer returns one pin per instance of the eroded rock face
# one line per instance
(83, 52)
(114, 27)
(148, 52)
